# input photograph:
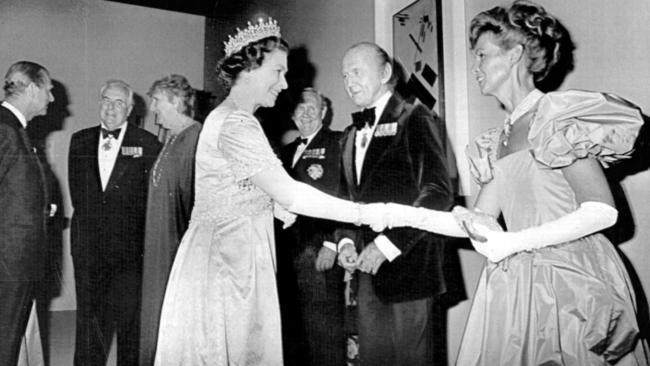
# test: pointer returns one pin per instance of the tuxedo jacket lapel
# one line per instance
(379, 145)
(349, 169)
(90, 159)
(122, 161)
(286, 155)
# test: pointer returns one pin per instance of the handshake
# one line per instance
(378, 216)
(484, 231)
(472, 223)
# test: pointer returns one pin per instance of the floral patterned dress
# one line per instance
(568, 304)
(221, 304)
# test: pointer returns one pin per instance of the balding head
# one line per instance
(21, 74)
(367, 73)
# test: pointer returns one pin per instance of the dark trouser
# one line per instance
(16, 299)
(312, 308)
(322, 307)
(409, 333)
(108, 301)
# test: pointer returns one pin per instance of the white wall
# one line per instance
(85, 42)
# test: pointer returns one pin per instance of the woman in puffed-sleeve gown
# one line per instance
(554, 291)
(221, 303)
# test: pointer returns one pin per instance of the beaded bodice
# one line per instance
(228, 154)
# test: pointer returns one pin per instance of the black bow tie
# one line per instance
(301, 140)
(364, 118)
(114, 133)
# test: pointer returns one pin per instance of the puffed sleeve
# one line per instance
(577, 124)
(245, 146)
(482, 159)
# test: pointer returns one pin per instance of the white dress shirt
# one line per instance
(366, 134)
(385, 246)
(107, 151)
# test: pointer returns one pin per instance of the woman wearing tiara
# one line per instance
(554, 291)
(221, 304)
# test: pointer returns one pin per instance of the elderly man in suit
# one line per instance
(393, 152)
(23, 202)
(108, 171)
(306, 249)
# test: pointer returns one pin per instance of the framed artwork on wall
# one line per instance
(417, 47)
(428, 38)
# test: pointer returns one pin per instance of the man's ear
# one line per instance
(32, 88)
(323, 113)
(176, 102)
(387, 72)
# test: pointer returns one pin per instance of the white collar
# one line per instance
(311, 137)
(380, 105)
(525, 105)
(122, 128)
(16, 112)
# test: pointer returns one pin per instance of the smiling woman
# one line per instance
(221, 303)
(169, 201)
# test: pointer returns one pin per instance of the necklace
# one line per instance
(507, 130)
(157, 171)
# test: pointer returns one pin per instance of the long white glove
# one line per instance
(589, 218)
(310, 201)
(283, 215)
(440, 222)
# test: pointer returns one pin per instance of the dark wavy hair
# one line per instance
(250, 57)
(528, 24)
(176, 85)
(20, 74)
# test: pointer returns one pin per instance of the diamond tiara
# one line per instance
(251, 34)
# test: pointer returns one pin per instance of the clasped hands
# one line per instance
(368, 261)
(485, 233)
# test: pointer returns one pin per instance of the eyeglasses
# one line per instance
(117, 103)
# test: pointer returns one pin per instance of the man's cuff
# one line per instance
(344, 241)
(386, 247)
(329, 245)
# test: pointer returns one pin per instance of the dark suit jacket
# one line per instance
(409, 167)
(319, 166)
(109, 225)
(23, 203)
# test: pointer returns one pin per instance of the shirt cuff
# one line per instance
(329, 245)
(344, 241)
(387, 248)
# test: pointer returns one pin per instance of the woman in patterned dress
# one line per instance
(554, 291)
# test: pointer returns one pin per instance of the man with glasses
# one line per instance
(309, 283)
(108, 167)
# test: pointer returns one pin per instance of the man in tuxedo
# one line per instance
(108, 167)
(23, 202)
(393, 152)
(306, 249)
